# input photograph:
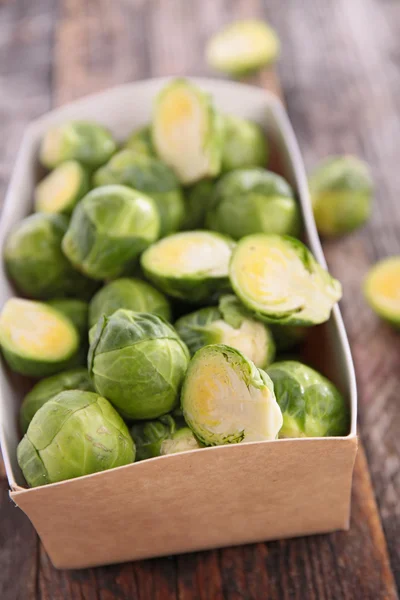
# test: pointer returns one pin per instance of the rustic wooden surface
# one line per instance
(339, 71)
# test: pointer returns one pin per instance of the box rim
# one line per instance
(290, 141)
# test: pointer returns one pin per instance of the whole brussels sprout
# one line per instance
(192, 265)
(84, 141)
(36, 264)
(140, 141)
(250, 201)
(287, 337)
(278, 278)
(46, 389)
(77, 311)
(149, 436)
(181, 440)
(138, 362)
(381, 289)
(151, 176)
(228, 324)
(36, 339)
(226, 399)
(75, 433)
(341, 193)
(108, 230)
(244, 144)
(243, 47)
(198, 198)
(311, 405)
(62, 189)
(129, 293)
(187, 132)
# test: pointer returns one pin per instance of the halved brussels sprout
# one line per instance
(149, 436)
(250, 201)
(62, 189)
(36, 264)
(181, 440)
(75, 433)
(278, 278)
(46, 389)
(140, 141)
(187, 132)
(36, 339)
(311, 405)
(151, 176)
(138, 362)
(244, 144)
(108, 230)
(243, 47)
(198, 198)
(89, 143)
(341, 193)
(77, 311)
(382, 289)
(130, 293)
(192, 265)
(228, 324)
(226, 399)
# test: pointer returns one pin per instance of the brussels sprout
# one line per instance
(77, 311)
(108, 230)
(311, 405)
(228, 324)
(187, 133)
(149, 436)
(198, 198)
(278, 278)
(181, 440)
(341, 192)
(287, 337)
(250, 201)
(382, 289)
(36, 264)
(140, 141)
(89, 143)
(244, 144)
(129, 293)
(151, 176)
(75, 433)
(243, 47)
(36, 339)
(62, 189)
(191, 265)
(46, 389)
(226, 399)
(138, 362)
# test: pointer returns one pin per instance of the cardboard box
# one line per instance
(219, 496)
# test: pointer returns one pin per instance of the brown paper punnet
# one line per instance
(205, 498)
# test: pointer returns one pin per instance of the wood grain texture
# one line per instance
(339, 71)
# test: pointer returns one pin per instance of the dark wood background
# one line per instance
(340, 76)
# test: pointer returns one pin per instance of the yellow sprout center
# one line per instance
(272, 274)
(36, 331)
(384, 284)
(223, 404)
(177, 109)
(189, 254)
(57, 188)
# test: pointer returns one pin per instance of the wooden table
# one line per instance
(340, 76)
